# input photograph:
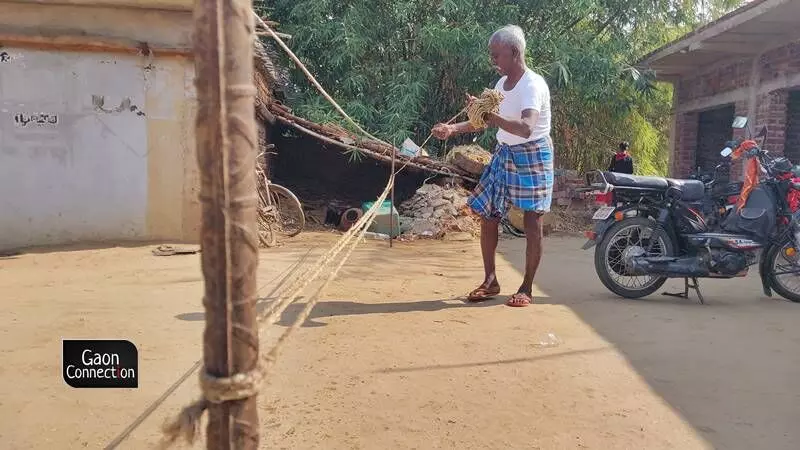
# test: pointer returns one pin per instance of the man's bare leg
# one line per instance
(489, 238)
(533, 255)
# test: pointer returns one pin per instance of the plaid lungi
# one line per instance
(519, 175)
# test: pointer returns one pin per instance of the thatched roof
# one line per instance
(269, 77)
(271, 80)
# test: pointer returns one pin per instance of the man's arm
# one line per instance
(465, 127)
(522, 127)
(446, 131)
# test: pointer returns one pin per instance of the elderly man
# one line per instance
(521, 170)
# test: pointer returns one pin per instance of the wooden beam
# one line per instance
(166, 5)
(89, 44)
(726, 47)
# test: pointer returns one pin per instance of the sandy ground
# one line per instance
(392, 359)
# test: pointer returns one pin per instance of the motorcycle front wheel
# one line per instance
(625, 238)
(784, 270)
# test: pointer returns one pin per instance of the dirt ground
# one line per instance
(392, 358)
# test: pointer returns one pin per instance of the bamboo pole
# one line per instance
(226, 141)
(391, 205)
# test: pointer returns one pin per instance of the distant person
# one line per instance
(622, 161)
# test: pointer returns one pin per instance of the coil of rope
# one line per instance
(488, 102)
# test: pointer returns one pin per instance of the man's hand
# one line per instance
(470, 100)
(442, 131)
(492, 120)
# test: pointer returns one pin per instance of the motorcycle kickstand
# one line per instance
(686, 286)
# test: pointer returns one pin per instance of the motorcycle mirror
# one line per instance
(739, 122)
(726, 152)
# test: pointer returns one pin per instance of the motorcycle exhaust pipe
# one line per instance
(674, 268)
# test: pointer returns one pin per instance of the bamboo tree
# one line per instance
(399, 67)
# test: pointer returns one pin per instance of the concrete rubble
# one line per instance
(441, 212)
(436, 212)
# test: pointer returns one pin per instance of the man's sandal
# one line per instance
(483, 293)
(519, 299)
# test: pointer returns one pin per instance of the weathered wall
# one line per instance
(62, 26)
(759, 88)
(95, 147)
(151, 4)
(113, 158)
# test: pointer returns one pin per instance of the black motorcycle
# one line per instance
(663, 234)
(720, 197)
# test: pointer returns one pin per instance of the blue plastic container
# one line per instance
(381, 224)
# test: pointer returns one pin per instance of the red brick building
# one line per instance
(747, 63)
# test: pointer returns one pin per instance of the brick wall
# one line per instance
(685, 144)
(771, 108)
(715, 80)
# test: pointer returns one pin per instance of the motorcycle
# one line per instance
(719, 198)
(662, 235)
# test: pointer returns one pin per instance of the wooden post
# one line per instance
(391, 206)
(226, 140)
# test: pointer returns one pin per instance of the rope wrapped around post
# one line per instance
(241, 386)
(215, 390)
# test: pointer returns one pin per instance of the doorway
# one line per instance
(713, 131)
(791, 148)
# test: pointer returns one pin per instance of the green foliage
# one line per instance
(398, 67)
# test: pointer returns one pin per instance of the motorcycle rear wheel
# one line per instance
(777, 285)
(610, 248)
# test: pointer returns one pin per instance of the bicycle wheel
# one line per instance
(290, 216)
(266, 233)
(265, 221)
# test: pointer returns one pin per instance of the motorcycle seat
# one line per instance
(636, 181)
(691, 190)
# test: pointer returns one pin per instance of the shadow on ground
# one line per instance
(730, 367)
(328, 309)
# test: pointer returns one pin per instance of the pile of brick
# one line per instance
(441, 212)
(565, 187)
(438, 211)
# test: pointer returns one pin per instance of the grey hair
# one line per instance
(510, 35)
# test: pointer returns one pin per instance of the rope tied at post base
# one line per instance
(215, 390)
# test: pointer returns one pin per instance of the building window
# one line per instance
(713, 131)
(791, 147)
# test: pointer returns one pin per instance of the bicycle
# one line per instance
(279, 210)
